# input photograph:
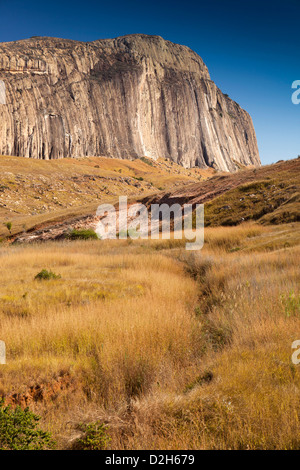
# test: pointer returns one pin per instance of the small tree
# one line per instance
(84, 234)
(94, 437)
(45, 275)
(19, 430)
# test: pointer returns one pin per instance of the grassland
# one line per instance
(166, 349)
(38, 192)
(169, 350)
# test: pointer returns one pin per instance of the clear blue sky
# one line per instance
(250, 47)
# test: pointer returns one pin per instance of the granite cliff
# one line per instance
(128, 97)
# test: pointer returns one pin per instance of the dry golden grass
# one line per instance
(116, 321)
(171, 350)
(34, 192)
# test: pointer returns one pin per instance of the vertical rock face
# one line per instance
(2, 93)
(127, 97)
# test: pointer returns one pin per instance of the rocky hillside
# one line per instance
(45, 200)
(37, 192)
(127, 97)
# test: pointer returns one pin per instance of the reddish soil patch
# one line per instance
(44, 392)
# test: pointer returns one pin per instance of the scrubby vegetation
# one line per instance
(19, 430)
(45, 275)
(84, 234)
(269, 201)
(8, 225)
(143, 345)
(146, 160)
(94, 437)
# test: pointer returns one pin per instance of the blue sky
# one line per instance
(250, 47)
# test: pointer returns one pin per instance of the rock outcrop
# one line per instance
(127, 97)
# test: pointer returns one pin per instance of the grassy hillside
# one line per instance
(270, 195)
(37, 195)
(35, 192)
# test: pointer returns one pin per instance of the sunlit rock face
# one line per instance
(2, 93)
(127, 97)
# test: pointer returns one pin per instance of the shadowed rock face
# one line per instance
(127, 97)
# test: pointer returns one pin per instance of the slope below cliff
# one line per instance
(127, 97)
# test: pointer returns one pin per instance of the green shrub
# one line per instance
(8, 225)
(19, 430)
(46, 275)
(84, 234)
(146, 160)
(94, 437)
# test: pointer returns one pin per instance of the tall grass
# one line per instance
(169, 350)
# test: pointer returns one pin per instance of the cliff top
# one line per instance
(138, 46)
